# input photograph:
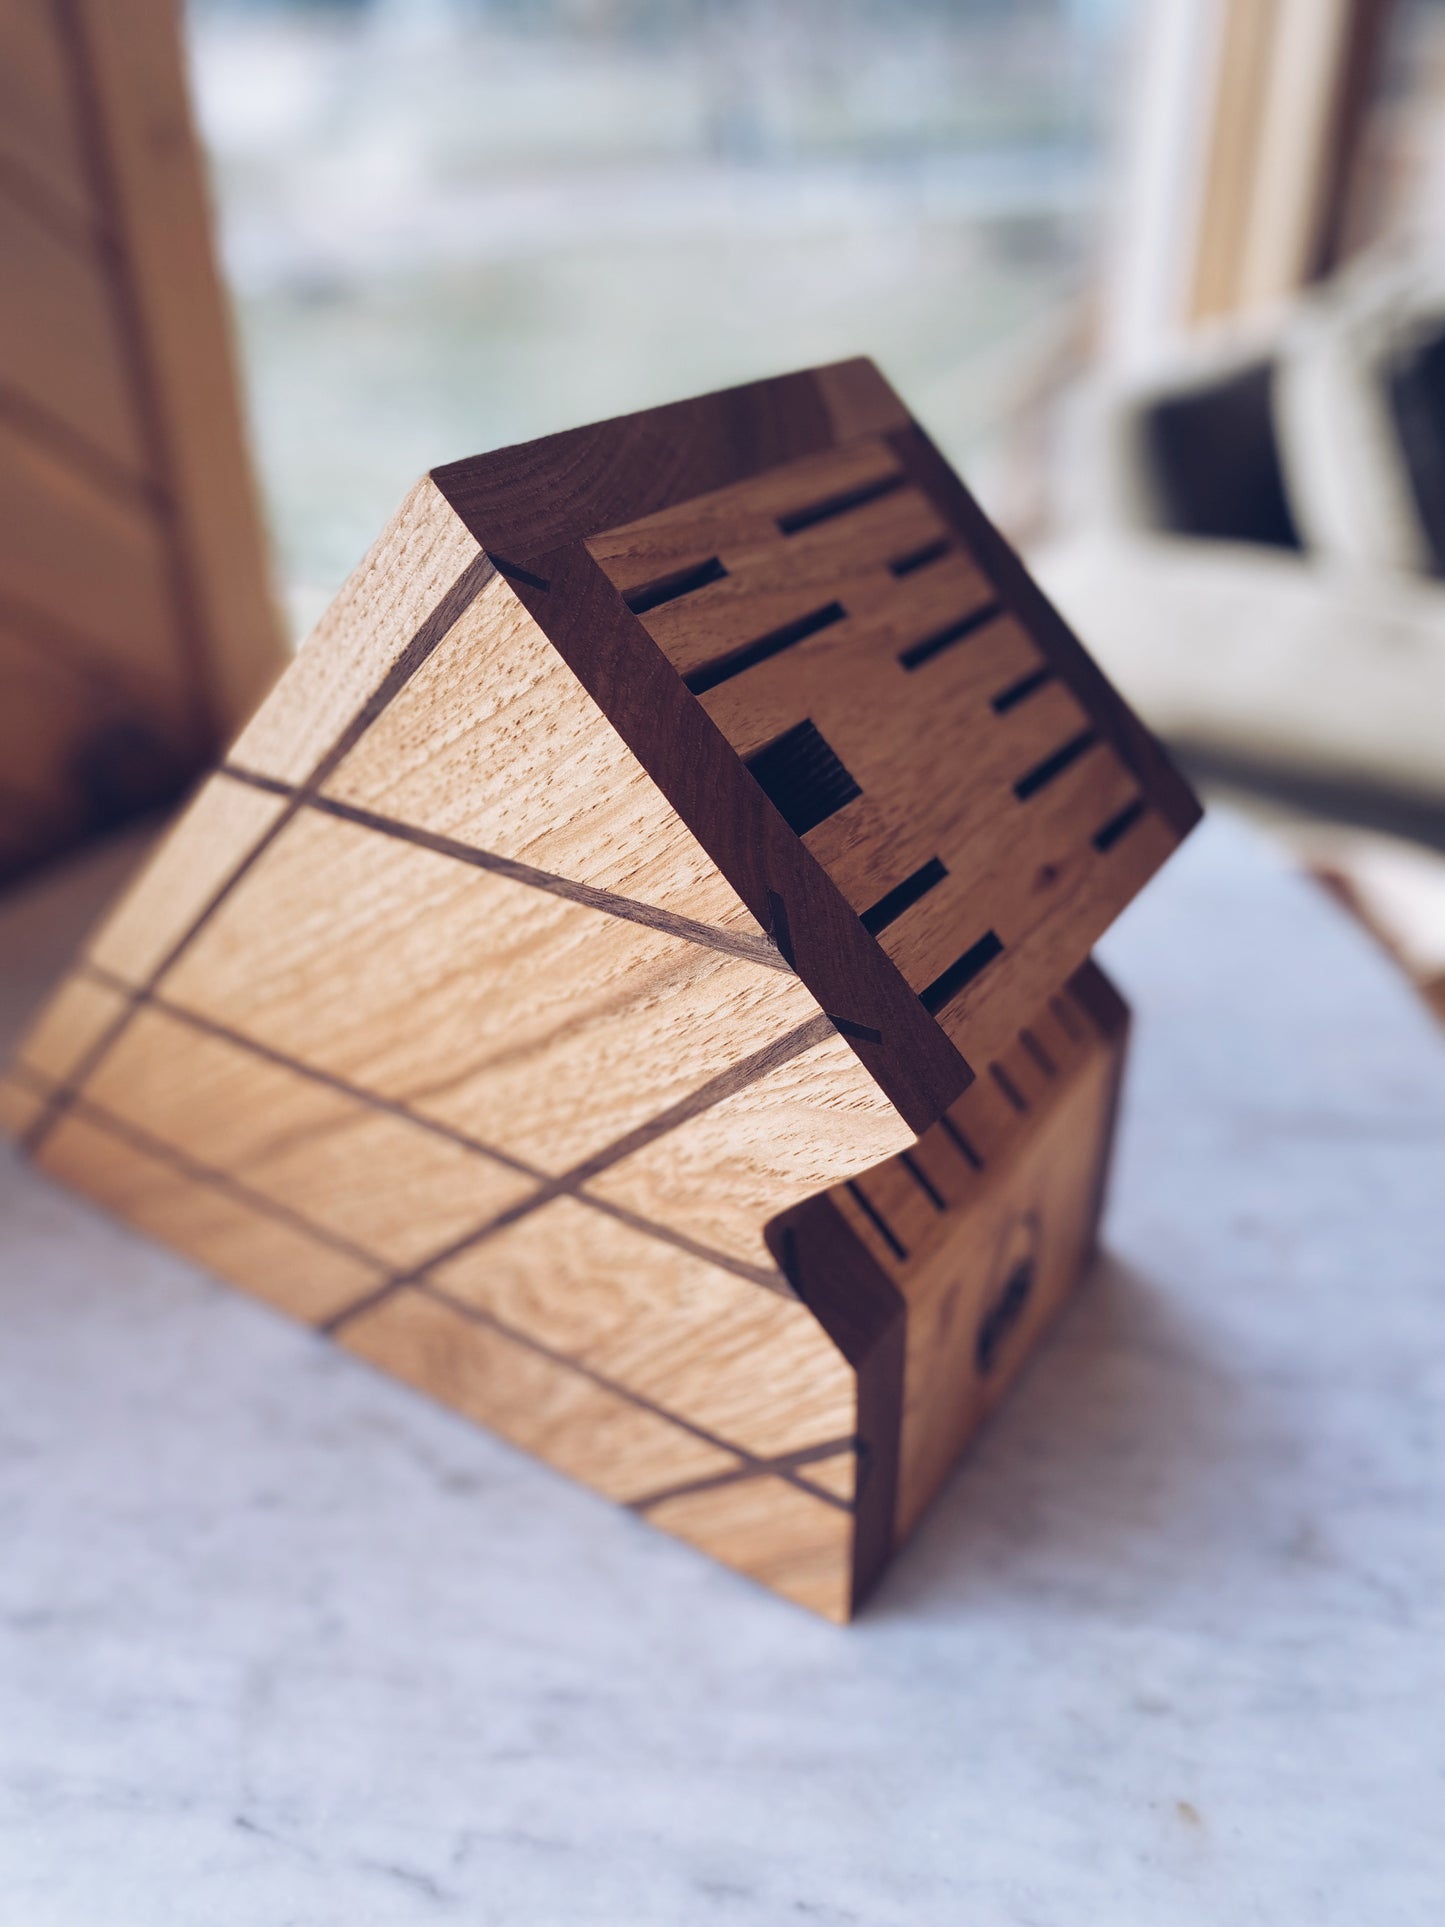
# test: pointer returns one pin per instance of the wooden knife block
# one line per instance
(631, 976)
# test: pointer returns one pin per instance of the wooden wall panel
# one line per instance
(42, 147)
(161, 216)
(127, 524)
(65, 373)
(86, 560)
(78, 746)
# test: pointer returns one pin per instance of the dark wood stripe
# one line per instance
(955, 632)
(197, 1173)
(749, 1070)
(458, 598)
(762, 1468)
(876, 1218)
(478, 1315)
(723, 668)
(707, 936)
(437, 626)
(727, 1084)
(890, 907)
(395, 1107)
(1042, 774)
(221, 1181)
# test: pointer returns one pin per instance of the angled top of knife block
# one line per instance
(671, 822)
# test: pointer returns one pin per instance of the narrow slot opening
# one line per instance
(917, 559)
(961, 1144)
(1020, 691)
(724, 668)
(1010, 1090)
(941, 639)
(853, 498)
(889, 908)
(877, 1220)
(1044, 773)
(961, 973)
(668, 588)
(1040, 1056)
(1120, 825)
(921, 1178)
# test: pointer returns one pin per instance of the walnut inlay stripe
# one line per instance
(463, 592)
(395, 1107)
(760, 1468)
(608, 902)
(168, 1155)
(749, 1070)
(478, 1315)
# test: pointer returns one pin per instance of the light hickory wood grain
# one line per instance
(404, 577)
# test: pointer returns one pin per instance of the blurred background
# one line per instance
(1165, 277)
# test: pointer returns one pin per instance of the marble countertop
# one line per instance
(282, 1645)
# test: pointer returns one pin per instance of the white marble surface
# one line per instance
(282, 1644)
